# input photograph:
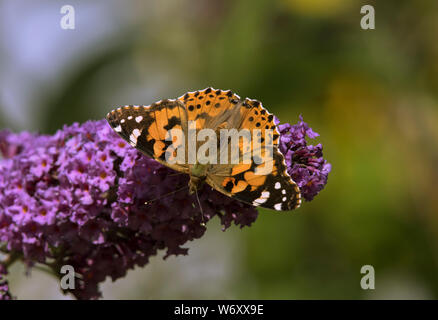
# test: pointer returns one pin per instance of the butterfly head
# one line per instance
(198, 174)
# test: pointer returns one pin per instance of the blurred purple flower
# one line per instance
(78, 198)
(4, 286)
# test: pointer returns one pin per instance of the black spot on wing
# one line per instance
(172, 122)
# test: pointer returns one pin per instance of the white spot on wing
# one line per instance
(260, 201)
(132, 140)
(118, 128)
(133, 137)
(136, 133)
(265, 194)
(138, 119)
(277, 185)
(277, 206)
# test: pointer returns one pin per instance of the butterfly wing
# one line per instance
(249, 183)
(147, 127)
(209, 107)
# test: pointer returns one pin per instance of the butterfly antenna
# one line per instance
(165, 195)
(200, 208)
(175, 174)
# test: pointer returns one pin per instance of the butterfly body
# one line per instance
(198, 175)
(211, 124)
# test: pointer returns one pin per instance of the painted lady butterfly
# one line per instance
(147, 129)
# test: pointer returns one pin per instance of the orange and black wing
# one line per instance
(251, 182)
(209, 107)
(147, 128)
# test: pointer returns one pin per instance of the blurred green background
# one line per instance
(371, 94)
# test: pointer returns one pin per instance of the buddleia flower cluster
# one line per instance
(305, 163)
(82, 197)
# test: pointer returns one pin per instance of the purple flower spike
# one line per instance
(78, 198)
(305, 163)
